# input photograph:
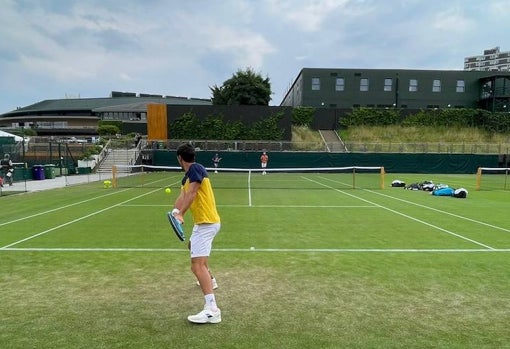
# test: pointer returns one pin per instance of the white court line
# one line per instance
(76, 203)
(271, 206)
(406, 216)
(76, 220)
(442, 212)
(315, 250)
(59, 208)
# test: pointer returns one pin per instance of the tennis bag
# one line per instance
(398, 183)
(444, 192)
(460, 193)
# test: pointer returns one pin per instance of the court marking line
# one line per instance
(271, 206)
(73, 204)
(406, 216)
(59, 208)
(315, 250)
(75, 220)
(443, 212)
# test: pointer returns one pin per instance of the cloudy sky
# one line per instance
(52, 49)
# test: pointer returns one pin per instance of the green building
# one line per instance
(399, 88)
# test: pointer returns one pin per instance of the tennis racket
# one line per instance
(176, 226)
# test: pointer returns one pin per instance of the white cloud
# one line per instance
(89, 48)
(307, 15)
(452, 20)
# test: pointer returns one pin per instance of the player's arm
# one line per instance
(185, 199)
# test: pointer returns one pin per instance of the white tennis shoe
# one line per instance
(214, 283)
(206, 316)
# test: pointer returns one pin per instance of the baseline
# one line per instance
(251, 250)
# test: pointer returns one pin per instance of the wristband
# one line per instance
(175, 211)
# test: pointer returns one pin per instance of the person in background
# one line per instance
(7, 169)
(263, 162)
(216, 162)
(197, 196)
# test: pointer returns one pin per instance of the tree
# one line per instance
(243, 88)
(107, 130)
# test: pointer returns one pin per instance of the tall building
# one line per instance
(491, 60)
(409, 90)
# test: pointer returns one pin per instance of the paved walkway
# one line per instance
(58, 182)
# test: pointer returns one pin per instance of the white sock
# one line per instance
(210, 302)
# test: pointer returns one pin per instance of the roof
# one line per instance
(6, 134)
(110, 103)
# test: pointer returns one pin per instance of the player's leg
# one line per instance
(199, 268)
(201, 244)
(9, 176)
(213, 279)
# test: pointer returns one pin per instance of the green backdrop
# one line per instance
(393, 163)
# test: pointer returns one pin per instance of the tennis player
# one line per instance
(263, 162)
(197, 196)
(216, 162)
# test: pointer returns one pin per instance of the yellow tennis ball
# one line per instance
(168, 190)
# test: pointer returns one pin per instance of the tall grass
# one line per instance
(413, 134)
(303, 138)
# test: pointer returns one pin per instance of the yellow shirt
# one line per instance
(203, 207)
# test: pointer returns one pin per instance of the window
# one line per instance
(413, 85)
(388, 82)
(363, 84)
(436, 86)
(460, 86)
(316, 84)
(340, 84)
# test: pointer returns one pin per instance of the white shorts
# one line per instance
(201, 239)
(263, 164)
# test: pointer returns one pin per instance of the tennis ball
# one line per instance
(168, 190)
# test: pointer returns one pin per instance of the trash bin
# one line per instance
(49, 171)
(38, 172)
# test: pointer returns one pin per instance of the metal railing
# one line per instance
(351, 147)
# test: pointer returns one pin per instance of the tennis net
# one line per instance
(352, 177)
(492, 178)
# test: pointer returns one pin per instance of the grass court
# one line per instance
(303, 260)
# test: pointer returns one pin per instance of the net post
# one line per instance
(354, 178)
(114, 176)
(478, 178)
(142, 176)
(249, 187)
(382, 177)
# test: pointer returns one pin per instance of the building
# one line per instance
(333, 92)
(491, 60)
(409, 90)
(80, 116)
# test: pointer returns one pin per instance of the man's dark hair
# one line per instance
(186, 152)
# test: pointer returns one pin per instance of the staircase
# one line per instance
(333, 142)
(120, 157)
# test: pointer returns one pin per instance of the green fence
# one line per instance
(393, 163)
